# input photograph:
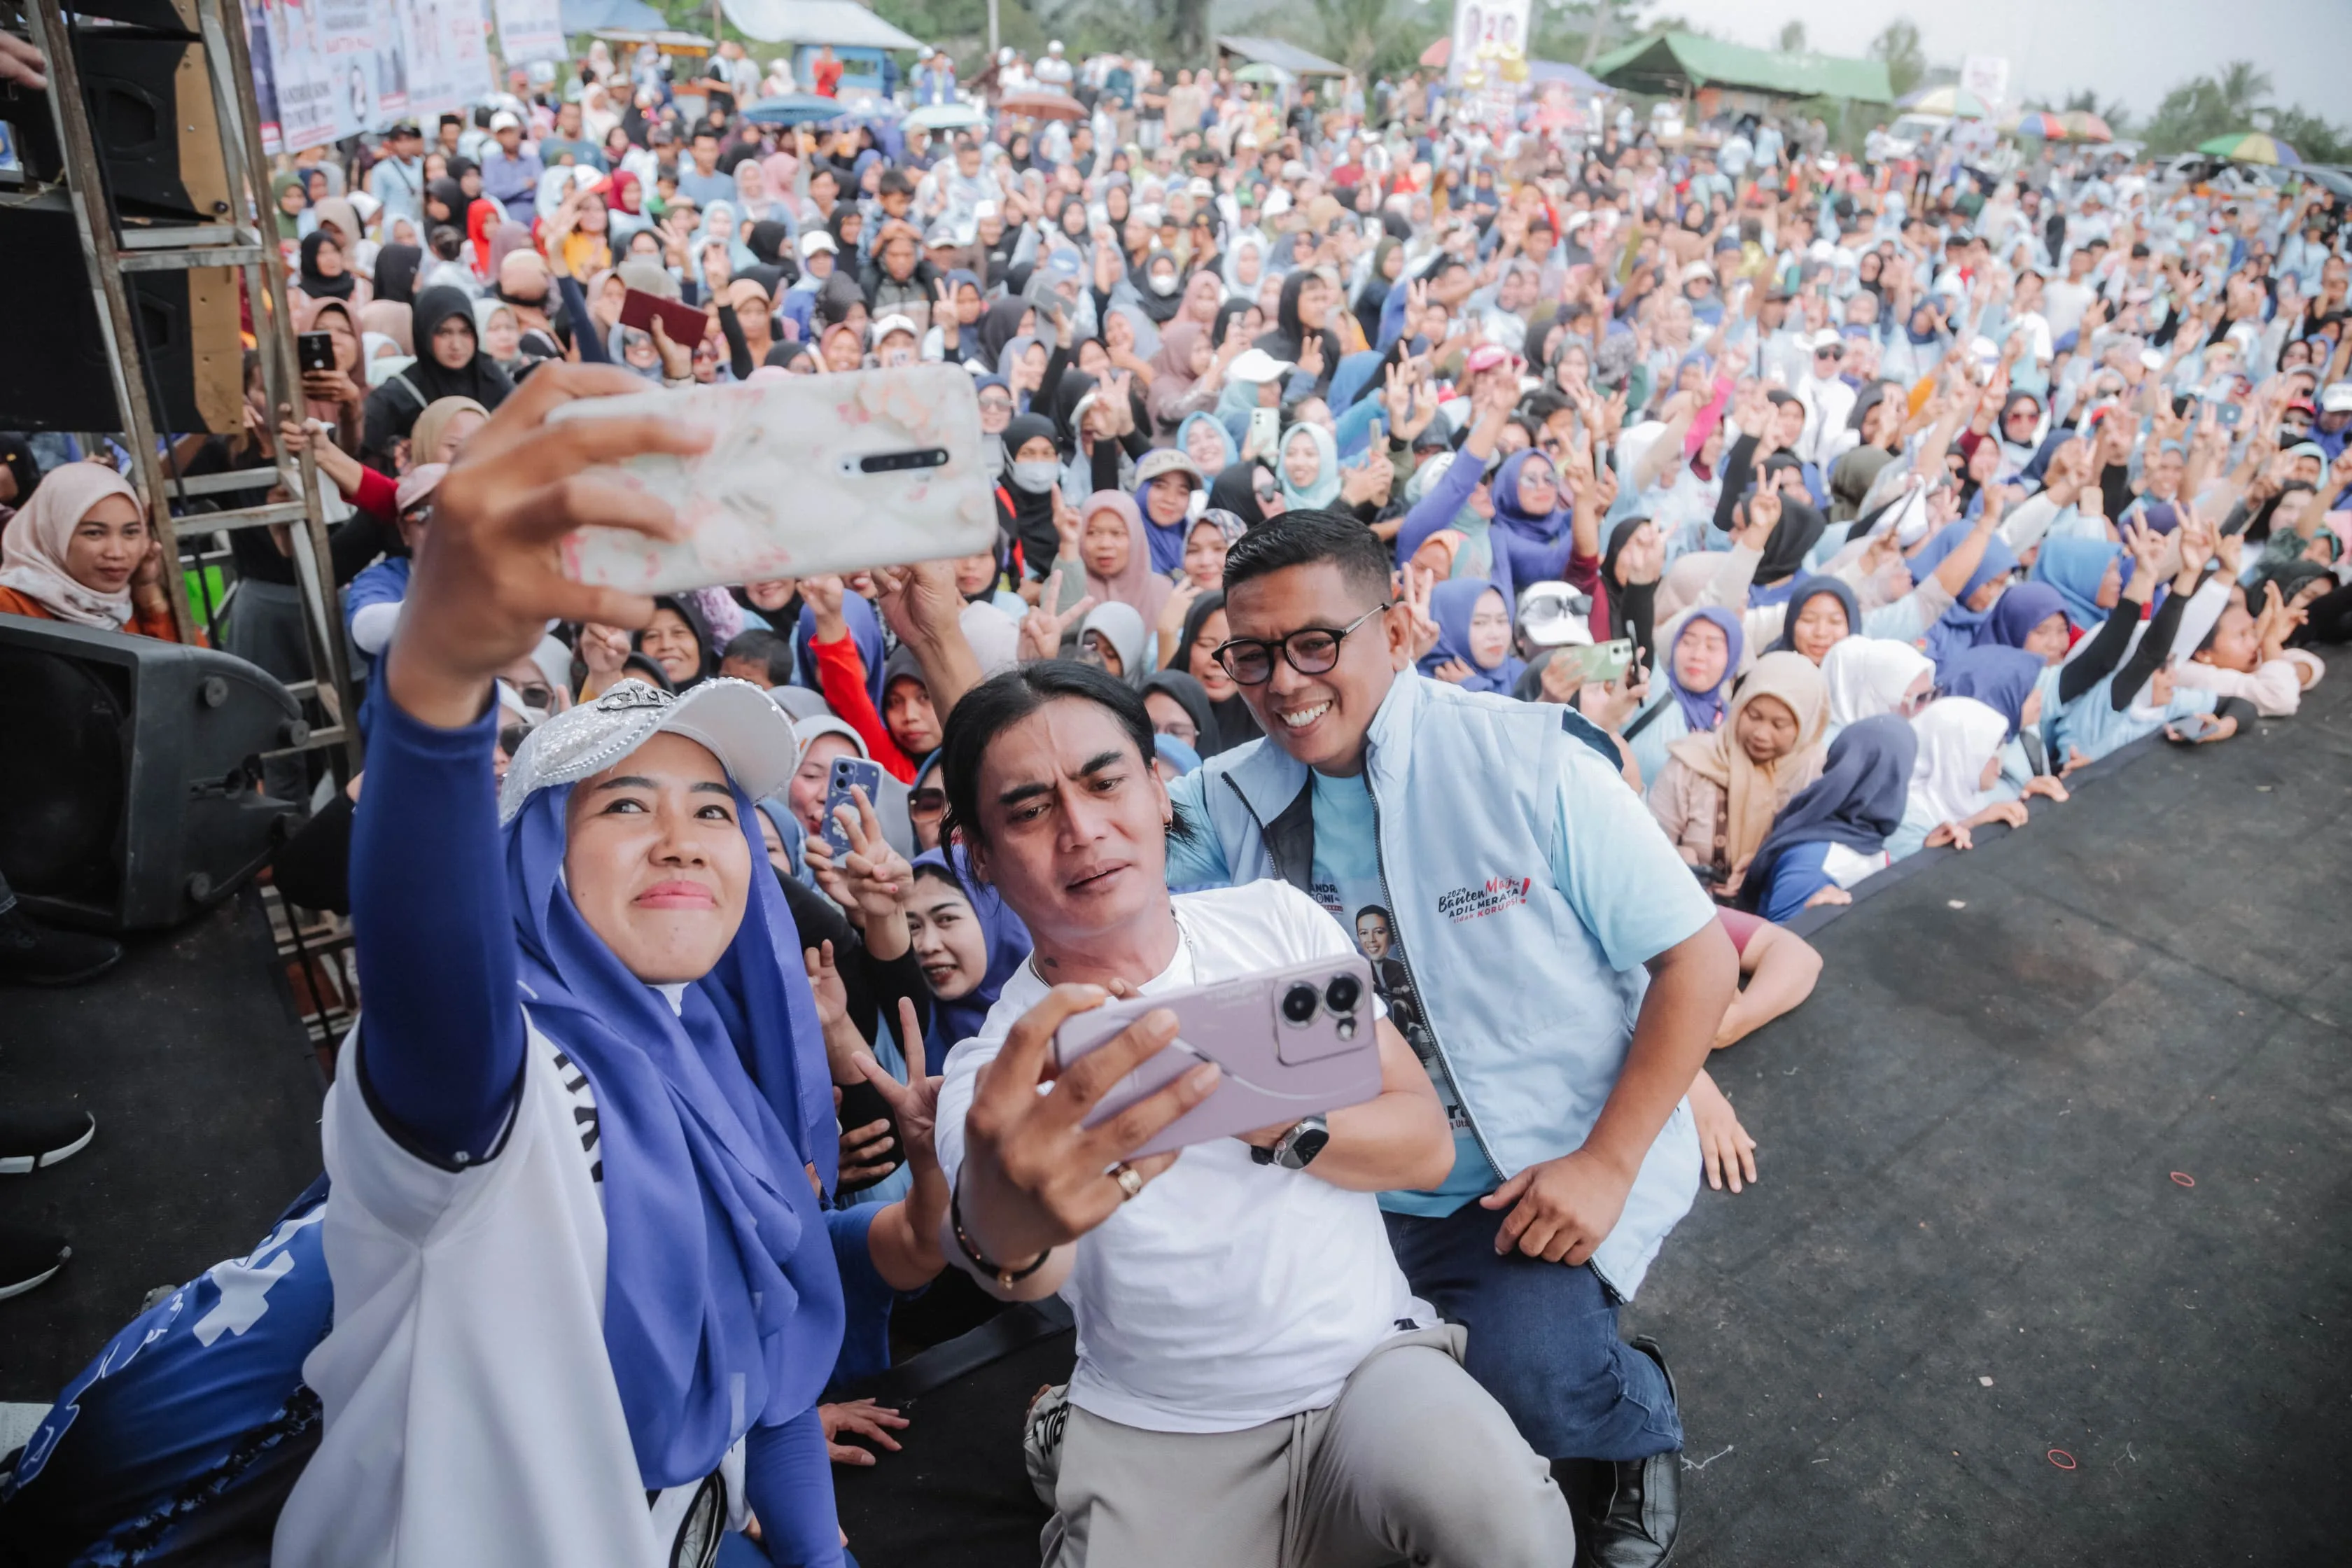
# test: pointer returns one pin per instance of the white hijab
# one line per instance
(1958, 735)
(1868, 676)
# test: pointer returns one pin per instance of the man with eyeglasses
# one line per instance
(1528, 891)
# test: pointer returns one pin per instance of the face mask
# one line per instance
(1036, 477)
(1163, 284)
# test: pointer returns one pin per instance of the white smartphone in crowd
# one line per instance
(1292, 1042)
(805, 475)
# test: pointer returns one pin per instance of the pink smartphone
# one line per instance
(1293, 1042)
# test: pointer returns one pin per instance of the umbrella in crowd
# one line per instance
(1957, 101)
(2082, 125)
(1039, 104)
(2038, 123)
(794, 108)
(2252, 147)
(945, 117)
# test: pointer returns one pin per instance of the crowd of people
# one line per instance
(1481, 549)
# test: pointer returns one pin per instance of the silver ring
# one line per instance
(1130, 1180)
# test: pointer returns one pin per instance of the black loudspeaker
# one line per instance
(55, 376)
(130, 797)
(152, 117)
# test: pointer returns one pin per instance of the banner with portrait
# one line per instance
(326, 70)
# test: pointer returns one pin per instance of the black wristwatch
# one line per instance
(1297, 1149)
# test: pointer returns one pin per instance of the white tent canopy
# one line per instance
(845, 24)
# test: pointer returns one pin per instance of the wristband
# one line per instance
(1005, 1278)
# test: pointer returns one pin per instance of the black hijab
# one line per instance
(1799, 530)
(1000, 326)
(1235, 489)
(451, 195)
(1229, 312)
(1287, 338)
(1630, 606)
(1160, 308)
(1191, 696)
(395, 274)
(1074, 385)
(1027, 518)
(1235, 723)
(691, 614)
(313, 283)
(392, 408)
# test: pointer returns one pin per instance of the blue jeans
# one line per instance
(1543, 1340)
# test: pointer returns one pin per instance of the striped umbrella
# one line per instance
(2036, 123)
(1957, 101)
(2252, 147)
(2082, 125)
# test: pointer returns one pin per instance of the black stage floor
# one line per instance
(206, 1095)
(1969, 1137)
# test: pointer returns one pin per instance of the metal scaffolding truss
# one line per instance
(246, 240)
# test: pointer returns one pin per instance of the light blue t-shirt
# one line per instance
(1347, 883)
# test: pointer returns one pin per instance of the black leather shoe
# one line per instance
(1635, 1506)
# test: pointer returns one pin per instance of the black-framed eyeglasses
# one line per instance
(1309, 650)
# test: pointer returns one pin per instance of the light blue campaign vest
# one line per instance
(1529, 1017)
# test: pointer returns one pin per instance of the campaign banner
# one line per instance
(530, 30)
(1489, 58)
(326, 70)
(445, 52)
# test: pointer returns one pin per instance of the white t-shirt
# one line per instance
(1228, 1294)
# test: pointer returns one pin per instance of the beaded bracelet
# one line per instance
(1005, 1278)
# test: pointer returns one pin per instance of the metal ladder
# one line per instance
(247, 239)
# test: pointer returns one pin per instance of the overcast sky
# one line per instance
(2131, 49)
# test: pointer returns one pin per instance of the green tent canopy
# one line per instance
(1670, 63)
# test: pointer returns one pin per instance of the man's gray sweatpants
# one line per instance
(1414, 1463)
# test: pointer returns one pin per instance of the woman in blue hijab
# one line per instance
(968, 944)
(2033, 616)
(1700, 667)
(1963, 625)
(2003, 679)
(2079, 570)
(1533, 518)
(1473, 637)
(576, 1148)
(1832, 833)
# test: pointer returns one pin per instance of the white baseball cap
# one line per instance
(1256, 366)
(1554, 615)
(894, 323)
(2337, 398)
(817, 239)
(506, 119)
(732, 720)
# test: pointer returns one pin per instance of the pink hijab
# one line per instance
(33, 546)
(1138, 585)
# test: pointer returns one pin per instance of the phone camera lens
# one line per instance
(1342, 994)
(1298, 1005)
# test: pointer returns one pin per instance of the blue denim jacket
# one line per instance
(1507, 917)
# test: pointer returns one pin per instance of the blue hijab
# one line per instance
(864, 630)
(1813, 588)
(953, 1021)
(1450, 605)
(1960, 626)
(2016, 613)
(2002, 678)
(1857, 802)
(2074, 567)
(1231, 453)
(1703, 710)
(1510, 515)
(722, 1303)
